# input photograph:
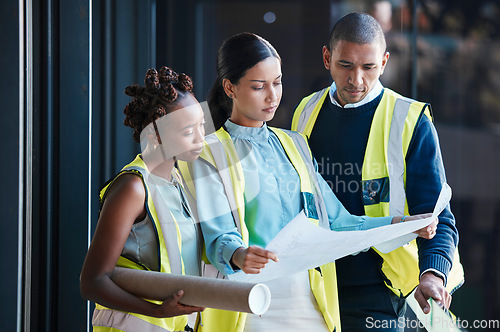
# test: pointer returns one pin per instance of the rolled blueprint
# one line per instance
(198, 291)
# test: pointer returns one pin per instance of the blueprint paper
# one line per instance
(437, 320)
(443, 200)
(301, 245)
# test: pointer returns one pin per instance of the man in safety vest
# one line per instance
(380, 153)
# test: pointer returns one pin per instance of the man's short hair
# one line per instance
(359, 28)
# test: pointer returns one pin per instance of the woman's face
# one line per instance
(182, 131)
(257, 95)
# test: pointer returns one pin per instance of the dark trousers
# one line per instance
(371, 308)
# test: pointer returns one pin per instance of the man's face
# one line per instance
(355, 69)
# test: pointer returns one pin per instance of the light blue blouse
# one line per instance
(272, 197)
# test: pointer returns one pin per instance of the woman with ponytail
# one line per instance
(264, 178)
(144, 205)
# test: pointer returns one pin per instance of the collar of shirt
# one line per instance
(377, 89)
(248, 133)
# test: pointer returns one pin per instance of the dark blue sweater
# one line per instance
(338, 142)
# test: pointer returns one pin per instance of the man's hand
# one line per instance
(252, 259)
(428, 232)
(432, 286)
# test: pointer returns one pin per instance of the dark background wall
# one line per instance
(63, 133)
(10, 184)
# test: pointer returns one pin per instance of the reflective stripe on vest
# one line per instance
(171, 239)
(306, 113)
(385, 158)
(384, 176)
(222, 154)
(314, 206)
(396, 158)
(123, 321)
(169, 244)
(229, 168)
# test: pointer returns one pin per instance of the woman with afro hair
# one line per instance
(144, 213)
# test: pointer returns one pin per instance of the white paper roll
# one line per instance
(259, 299)
(198, 291)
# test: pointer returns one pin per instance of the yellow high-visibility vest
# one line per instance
(220, 152)
(391, 131)
(169, 244)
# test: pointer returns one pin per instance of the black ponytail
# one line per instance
(219, 103)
